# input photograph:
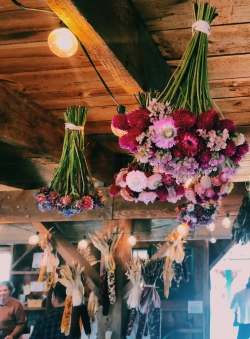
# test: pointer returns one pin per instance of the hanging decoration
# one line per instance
(71, 190)
(86, 253)
(150, 303)
(107, 244)
(75, 313)
(103, 296)
(241, 225)
(92, 306)
(179, 133)
(49, 262)
(133, 296)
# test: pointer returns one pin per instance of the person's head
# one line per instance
(58, 295)
(6, 289)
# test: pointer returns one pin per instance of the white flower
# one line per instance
(136, 181)
(119, 179)
(147, 197)
(172, 196)
(239, 139)
(205, 181)
(154, 181)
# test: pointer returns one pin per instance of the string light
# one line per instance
(62, 42)
(212, 240)
(131, 240)
(183, 229)
(83, 244)
(34, 239)
(211, 227)
(226, 222)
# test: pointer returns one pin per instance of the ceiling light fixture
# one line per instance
(226, 222)
(83, 244)
(212, 240)
(34, 239)
(211, 227)
(62, 42)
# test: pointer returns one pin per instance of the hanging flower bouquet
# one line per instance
(142, 182)
(71, 190)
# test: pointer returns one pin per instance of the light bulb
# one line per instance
(188, 182)
(213, 240)
(33, 239)
(131, 240)
(118, 132)
(183, 229)
(83, 244)
(226, 222)
(62, 42)
(211, 227)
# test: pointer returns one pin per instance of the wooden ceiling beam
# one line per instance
(20, 207)
(114, 33)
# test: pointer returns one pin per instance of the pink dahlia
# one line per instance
(139, 118)
(180, 190)
(226, 124)
(136, 181)
(189, 143)
(168, 180)
(114, 190)
(147, 197)
(207, 120)
(242, 149)
(120, 121)
(87, 203)
(162, 193)
(164, 133)
(66, 200)
(230, 148)
(184, 118)
(154, 181)
(209, 192)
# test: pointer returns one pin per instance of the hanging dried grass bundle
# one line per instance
(92, 306)
(86, 253)
(49, 262)
(107, 244)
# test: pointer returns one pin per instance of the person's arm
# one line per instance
(20, 322)
(36, 330)
(234, 303)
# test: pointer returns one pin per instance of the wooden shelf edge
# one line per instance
(24, 272)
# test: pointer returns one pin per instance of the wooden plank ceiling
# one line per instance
(135, 45)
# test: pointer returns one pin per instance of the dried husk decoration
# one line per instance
(49, 262)
(86, 253)
(103, 295)
(134, 294)
(75, 312)
(71, 189)
(92, 306)
(150, 303)
(107, 244)
(241, 225)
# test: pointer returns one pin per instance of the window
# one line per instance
(5, 263)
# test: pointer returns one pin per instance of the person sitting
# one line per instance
(49, 326)
(12, 316)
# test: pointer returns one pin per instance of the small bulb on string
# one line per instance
(131, 240)
(213, 240)
(63, 42)
(34, 239)
(211, 227)
(83, 244)
(226, 222)
(183, 229)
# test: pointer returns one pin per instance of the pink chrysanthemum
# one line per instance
(207, 120)
(162, 193)
(139, 118)
(137, 181)
(164, 133)
(189, 143)
(154, 181)
(147, 197)
(114, 190)
(183, 118)
(120, 121)
(66, 200)
(87, 203)
(226, 124)
(199, 188)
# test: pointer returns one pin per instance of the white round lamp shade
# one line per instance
(62, 42)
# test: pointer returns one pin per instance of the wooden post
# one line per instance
(122, 255)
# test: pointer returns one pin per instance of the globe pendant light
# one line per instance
(62, 42)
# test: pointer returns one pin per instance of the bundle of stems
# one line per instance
(188, 87)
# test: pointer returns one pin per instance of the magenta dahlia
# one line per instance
(176, 153)
(242, 149)
(184, 118)
(139, 118)
(230, 148)
(207, 120)
(180, 190)
(168, 180)
(128, 141)
(114, 190)
(236, 158)
(120, 121)
(226, 124)
(161, 193)
(189, 143)
(204, 156)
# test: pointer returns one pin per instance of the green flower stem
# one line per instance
(189, 86)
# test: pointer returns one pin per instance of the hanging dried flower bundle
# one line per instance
(49, 262)
(150, 303)
(75, 311)
(86, 253)
(92, 306)
(71, 190)
(133, 296)
(107, 244)
(241, 225)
